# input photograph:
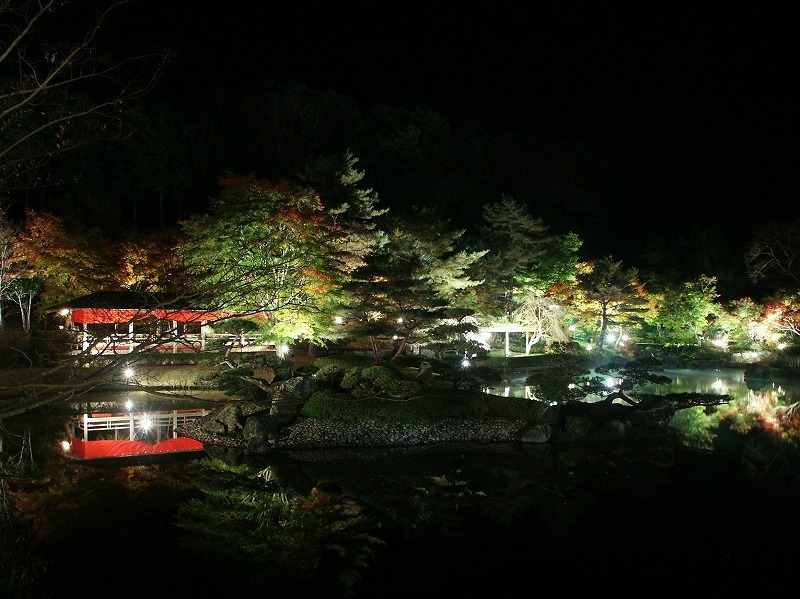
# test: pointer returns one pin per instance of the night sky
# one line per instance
(705, 99)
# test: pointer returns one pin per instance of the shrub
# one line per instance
(330, 376)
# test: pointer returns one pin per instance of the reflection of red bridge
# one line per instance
(134, 434)
(110, 448)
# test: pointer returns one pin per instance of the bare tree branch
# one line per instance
(60, 96)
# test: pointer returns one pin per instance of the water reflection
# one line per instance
(723, 381)
(451, 519)
(436, 520)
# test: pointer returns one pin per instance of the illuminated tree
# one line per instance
(407, 287)
(353, 210)
(684, 313)
(150, 261)
(23, 292)
(781, 316)
(267, 249)
(516, 242)
(8, 233)
(610, 295)
(71, 263)
(522, 264)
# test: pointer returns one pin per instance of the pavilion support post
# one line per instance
(174, 336)
(131, 426)
(130, 337)
(508, 344)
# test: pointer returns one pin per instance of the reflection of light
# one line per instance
(128, 373)
(338, 320)
(610, 382)
(400, 320)
(465, 363)
(571, 386)
(128, 405)
(507, 392)
(718, 384)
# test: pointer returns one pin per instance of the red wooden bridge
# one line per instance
(131, 434)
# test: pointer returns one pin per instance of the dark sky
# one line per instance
(705, 97)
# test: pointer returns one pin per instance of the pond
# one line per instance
(718, 381)
(455, 519)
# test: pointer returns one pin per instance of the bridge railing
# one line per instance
(137, 425)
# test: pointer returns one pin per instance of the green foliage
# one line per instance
(428, 405)
(235, 326)
(686, 311)
(230, 380)
(377, 381)
(331, 375)
(270, 249)
(696, 426)
(518, 243)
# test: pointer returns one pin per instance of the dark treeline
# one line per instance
(166, 163)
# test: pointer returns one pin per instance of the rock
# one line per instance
(289, 396)
(259, 433)
(536, 433)
(227, 422)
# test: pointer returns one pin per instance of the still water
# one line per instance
(443, 521)
(723, 381)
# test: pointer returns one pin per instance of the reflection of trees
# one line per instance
(265, 536)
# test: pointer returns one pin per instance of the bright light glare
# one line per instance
(147, 423)
(338, 320)
(128, 372)
(65, 445)
(465, 363)
(128, 405)
(718, 384)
